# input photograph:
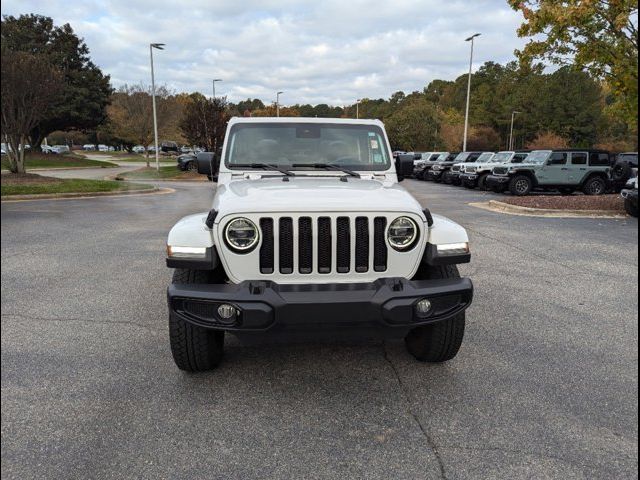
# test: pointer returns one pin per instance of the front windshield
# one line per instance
(462, 157)
(538, 157)
(485, 157)
(501, 157)
(442, 157)
(434, 157)
(356, 147)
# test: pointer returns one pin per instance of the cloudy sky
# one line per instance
(330, 51)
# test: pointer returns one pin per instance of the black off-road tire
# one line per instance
(468, 185)
(621, 172)
(482, 182)
(440, 341)
(595, 186)
(520, 185)
(192, 167)
(631, 208)
(194, 349)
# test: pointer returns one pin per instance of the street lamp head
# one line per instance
(472, 37)
(159, 46)
(279, 93)
(217, 79)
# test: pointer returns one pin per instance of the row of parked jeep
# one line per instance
(520, 172)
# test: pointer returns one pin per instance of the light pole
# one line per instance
(466, 115)
(358, 107)
(278, 103)
(214, 86)
(513, 116)
(159, 46)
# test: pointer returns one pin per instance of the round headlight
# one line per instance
(402, 233)
(241, 234)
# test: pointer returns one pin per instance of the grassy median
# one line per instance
(30, 184)
(165, 173)
(65, 160)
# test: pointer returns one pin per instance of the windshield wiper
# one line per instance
(266, 166)
(328, 166)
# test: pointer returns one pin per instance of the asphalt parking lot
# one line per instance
(545, 385)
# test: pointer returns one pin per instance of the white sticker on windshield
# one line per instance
(374, 144)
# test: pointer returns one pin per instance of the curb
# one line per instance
(76, 195)
(501, 207)
(120, 178)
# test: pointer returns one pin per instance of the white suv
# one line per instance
(309, 228)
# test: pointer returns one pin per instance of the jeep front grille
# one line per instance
(500, 170)
(470, 169)
(354, 238)
(455, 168)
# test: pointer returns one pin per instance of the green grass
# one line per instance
(151, 173)
(41, 160)
(73, 185)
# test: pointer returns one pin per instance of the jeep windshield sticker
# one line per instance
(374, 144)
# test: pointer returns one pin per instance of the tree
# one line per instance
(204, 121)
(413, 127)
(131, 114)
(599, 36)
(81, 103)
(547, 141)
(29, 85)
(483, 139)
(452, 130)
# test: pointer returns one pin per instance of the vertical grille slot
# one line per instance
(343, 253)
(266, 250)
(362, 244)
(286, 245)
(305, 246)
(379, 244)
(324, 245)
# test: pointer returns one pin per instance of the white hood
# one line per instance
(313, 194)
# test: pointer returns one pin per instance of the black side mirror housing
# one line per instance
(404, 166)
(207, 164)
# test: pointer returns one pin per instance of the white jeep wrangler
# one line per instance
(310, 229)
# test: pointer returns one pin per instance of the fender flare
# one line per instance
(192, 231)
(444, 231)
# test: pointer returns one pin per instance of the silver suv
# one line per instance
(563, 170)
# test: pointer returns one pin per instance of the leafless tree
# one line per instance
(29, 86)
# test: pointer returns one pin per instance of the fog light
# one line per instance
(423, 307)
(226, 311)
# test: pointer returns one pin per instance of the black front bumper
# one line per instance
(497, 180)
(261, 305)
(451, 177)
(469, 179)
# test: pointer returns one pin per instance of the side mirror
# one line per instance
(207, 164)
(404, 166)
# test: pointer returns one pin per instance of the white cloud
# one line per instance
(317, 52)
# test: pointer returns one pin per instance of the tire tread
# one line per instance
(441, 341)
(194, 349)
